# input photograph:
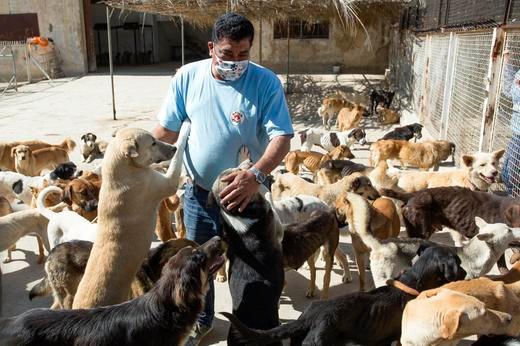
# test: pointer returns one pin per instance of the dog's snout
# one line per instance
(91, 205)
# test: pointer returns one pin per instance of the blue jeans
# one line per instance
(202, 223)
(511, 169)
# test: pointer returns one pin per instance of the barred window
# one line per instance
(301, 29)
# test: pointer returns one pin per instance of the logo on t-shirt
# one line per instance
(236, 118)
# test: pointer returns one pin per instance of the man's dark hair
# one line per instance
(234, 27)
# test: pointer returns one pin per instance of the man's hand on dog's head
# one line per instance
(242, 186)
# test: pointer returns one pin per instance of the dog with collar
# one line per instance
(367, 318)
(91, 148)
(256, 270)
(405, 133)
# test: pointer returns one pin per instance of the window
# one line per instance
(302, 29)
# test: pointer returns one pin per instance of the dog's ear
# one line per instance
(449, 324)
(512, 215)
(467, 160)
(83, 137)
(480, 222)
(94, 137)
(497, 154)
(422, 248)
(129, 148)
(67, 194)
(356, 183)
(13, 152)
(334, 140)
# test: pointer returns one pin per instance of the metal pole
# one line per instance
(288, 45)
(182, 40)
(110, 63)
(14, 70)
(28, 64)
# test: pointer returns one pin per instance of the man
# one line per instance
(231, 103)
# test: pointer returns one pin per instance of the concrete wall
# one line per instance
(352, 50)
(60, 20)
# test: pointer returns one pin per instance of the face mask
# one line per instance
(231, 70)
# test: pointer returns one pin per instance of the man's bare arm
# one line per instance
(165, 135)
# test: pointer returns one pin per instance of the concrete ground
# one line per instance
(73, 106)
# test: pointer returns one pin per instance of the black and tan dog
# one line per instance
(66, 264)
(371, 318)
(164, 315)
(302, 240)
(405, 133)
(256, 272)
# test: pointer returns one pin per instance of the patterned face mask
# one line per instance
(231, 70)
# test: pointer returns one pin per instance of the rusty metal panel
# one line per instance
(18, 27)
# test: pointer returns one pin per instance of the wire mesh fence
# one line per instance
(472, 52)
(434, 95)
(450, 95)
(507, 113)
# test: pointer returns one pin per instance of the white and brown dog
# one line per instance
(91, 148)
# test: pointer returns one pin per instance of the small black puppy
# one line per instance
(64, 171)
(405, 133)
(380, 96)
(367, 318)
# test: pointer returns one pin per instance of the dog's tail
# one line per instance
(41, 289)
(256, 336)
(68, 145)
(396, 194)
(40, 201)
(360, 223)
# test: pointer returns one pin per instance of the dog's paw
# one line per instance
(7, 260)
(310, 293)
(346, 279)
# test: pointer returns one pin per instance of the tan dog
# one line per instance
(388, 116)
(127, 211)
(423, 155)
(479, 171)
(350, 117)
(379, 219)
(32, 163)
(7, 160)
(330, 107)
(313, 160)
(444, 317)
(18, 224)
(289, 185)
(163, 227)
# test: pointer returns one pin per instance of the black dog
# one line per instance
(63, 171)
(371, 318)
(163, 316)
(405, 133)
(343, 167)
(256, 273)
(380, 96)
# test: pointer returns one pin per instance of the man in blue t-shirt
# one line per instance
(232, 103)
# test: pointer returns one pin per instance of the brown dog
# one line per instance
(32, 163)
(313, 160)
(82, 196)
(163, 227)
(301, 241)
(7, 161)
(127, 211)
(388, 116)
(423, 155)
(350, 117)
(380, 219)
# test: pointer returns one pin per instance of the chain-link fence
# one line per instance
(434, 94)
(468, 94)
(464, 88)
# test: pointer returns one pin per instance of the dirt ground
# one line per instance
(73, 106)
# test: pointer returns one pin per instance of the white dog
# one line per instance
(328, 140)
(66, 225)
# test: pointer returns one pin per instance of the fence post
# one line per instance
(492, 88)
(450, 60)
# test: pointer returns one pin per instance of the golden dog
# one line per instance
(380, 219)
(32, 163)
(127, 211)
(423, 155)
(350, 117)
(163, 227)
(388, 116)
(330, 107)
(7, 161)
(313, 160)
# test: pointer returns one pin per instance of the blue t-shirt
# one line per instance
(224, 116)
